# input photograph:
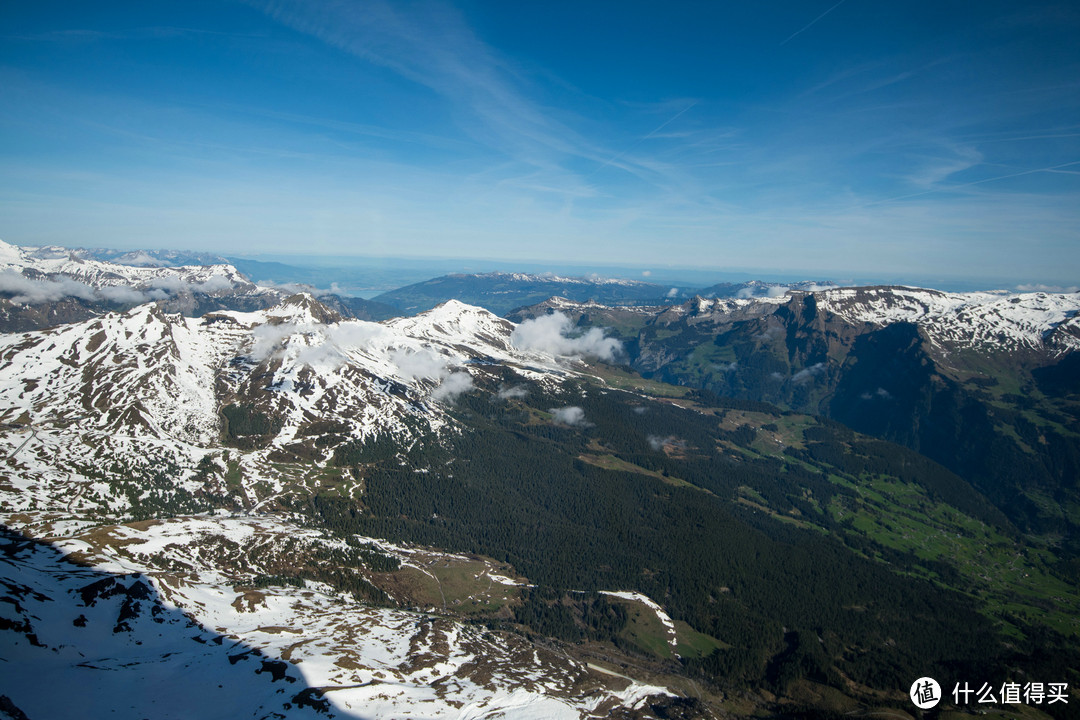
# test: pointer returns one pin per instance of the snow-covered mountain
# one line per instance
(980, 382)
(50, 286)
(1005, 321)
(152, 257)
(165, 376)
(112, 646)
(150, 414)
(502, 292)
(224, 475)
(999, 321)
(162, 620)
(761, 289)
(65, 272)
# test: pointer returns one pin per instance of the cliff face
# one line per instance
(980, 382)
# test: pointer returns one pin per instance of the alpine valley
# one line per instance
(227, 500)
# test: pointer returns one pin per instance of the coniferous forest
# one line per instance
(751, 548)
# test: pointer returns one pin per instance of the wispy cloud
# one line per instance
(419, 129)
(643, 138)
(495, 106)
(973, 183)
(434, 47)
(25, 291)
(811, 23)
(1041, 287)
(937, 169)
(140, 33)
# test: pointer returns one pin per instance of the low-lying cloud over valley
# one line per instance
(31, 291)
(555, 334)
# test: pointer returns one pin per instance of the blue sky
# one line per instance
(916, 138)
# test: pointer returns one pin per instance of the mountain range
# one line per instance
(502, 292)
(45, 286)
(790, 503)
(983, 383)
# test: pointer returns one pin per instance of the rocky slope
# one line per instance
(212, 423)
(49, 286)
(977, 381)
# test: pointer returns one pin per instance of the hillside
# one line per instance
(976, 381)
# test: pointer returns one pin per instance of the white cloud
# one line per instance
(673, 292)
(1039, 287)
(329, 345)
(159, 288)
(657, 443)
(175, 284)
(353, 334)
(426, 364)
(454, 385)
(420, 364)
(29, 291)
(122, 294)
(319, 344)
(34, 292)
(776, 291)
(879, 393)
(170, 283)
(214, 283)
(26, 291)
(294, 288)
(268, 339)
(552, 334)
(771, 333)
(572, 415)
(140, 259)
(809, 373)
(517, 391)
(320, 352)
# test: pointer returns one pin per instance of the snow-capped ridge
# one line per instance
(995, 319)
(102, 279)
(456, 323)
(553, 278)
(150, 373)
(302, 308)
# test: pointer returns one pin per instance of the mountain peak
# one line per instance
(456, 322)
(302, 307)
